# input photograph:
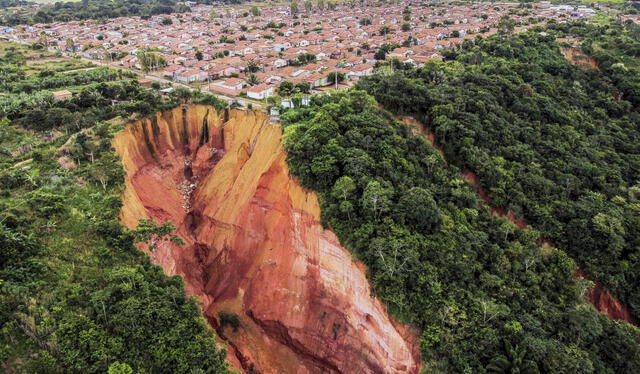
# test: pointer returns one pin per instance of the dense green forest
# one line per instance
(558, 145)
(76, 296)
(487, 297)
(14, 80)
(12, 3)
(94, 9)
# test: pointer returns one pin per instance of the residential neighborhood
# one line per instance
(243, 51)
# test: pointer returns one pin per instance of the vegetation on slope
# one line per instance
(555, 144)
(15, 82)
(12, 3)
(485, 294)
(76, 296)
(65, 11)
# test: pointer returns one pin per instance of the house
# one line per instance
(232, 84)
(172, 71)
(259, 92)
(270, 78)
(322, 56)
(203, 65)
(129, 61)
(286, 103)
(193, 75)
(145, 82)
(275, 62)
(222, 71)
(318, 80)
(62, 95)
(361, 70)
(92, 53)
(281, 46)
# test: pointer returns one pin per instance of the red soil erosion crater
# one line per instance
(600, 297)
(255, 247)
(579, 58)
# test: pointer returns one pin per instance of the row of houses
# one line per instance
(213, 43)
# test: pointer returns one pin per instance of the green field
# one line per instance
(29, 54)
(37, 61)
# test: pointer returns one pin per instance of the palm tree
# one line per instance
(513, 363)
(252, 79)
(70, 46)
(252, 67)
(44, 39)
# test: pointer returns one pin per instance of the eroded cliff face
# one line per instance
(579, 58)
(255, 247)
(605, 302)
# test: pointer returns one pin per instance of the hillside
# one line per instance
(554, 144)
(473, 215)
(75, 293)
(483, 291)
(254, 249)
(89, 9)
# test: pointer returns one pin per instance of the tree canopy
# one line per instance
(554, 142)
(64, 11)
(483, 292)
(76, 295)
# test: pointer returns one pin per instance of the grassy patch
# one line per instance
(29, 53)
(58, 65)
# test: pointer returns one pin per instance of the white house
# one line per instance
(276, 62)
(259, 92)
(287, 103)
(232, 84)
(361, 70)
(281, 46)
(192, 75)
(222, 71)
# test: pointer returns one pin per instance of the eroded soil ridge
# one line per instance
(254, 246)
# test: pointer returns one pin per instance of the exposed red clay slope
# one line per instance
(579, 58)
(602, 299)
(255, 247)
(605, 302)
